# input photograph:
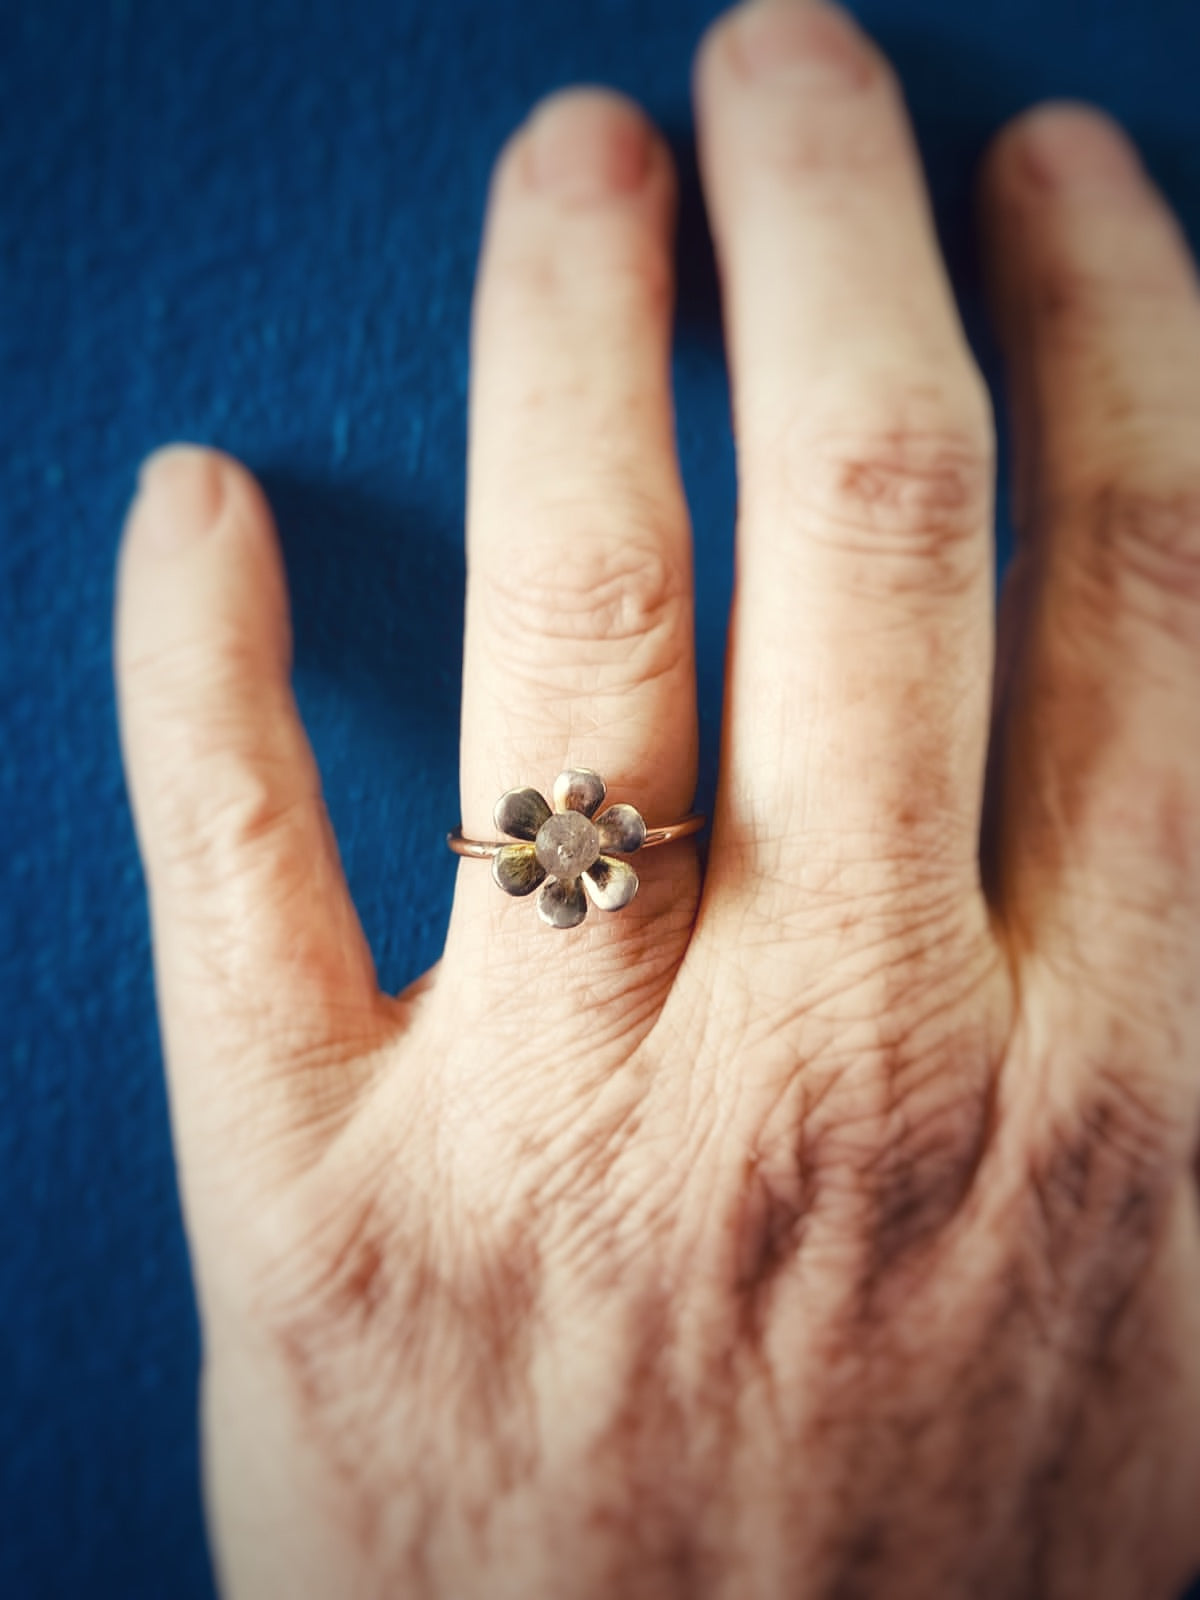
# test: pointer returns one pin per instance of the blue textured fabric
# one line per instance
(255, 224)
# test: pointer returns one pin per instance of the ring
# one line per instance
(566, 850)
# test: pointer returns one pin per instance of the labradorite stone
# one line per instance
(567, 843)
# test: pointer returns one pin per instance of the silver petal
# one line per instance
(520, 813)
(579, 790)
(562, 903)
(611, 883)
(621, 828)
(516, 868)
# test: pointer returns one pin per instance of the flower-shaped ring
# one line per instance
(570, 850)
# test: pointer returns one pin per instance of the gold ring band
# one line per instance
(486, 849)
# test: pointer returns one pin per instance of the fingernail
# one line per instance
(587, 146)
(1076, 146)
(181, 492)
(802, 42)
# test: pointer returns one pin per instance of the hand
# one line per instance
(829, 1227)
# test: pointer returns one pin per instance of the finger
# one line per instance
(265, 982)
(859, 673)
(1100, 315)
(579, 648)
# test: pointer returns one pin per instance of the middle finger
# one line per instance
(860, 662)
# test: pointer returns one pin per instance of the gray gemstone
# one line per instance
(562, 905)
(567, 843)
(520, 813)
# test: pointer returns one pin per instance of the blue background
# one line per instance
(255, 224)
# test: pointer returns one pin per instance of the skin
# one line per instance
(828, 1227)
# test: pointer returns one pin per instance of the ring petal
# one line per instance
(621, 828)
(579, 790)
(516, 868)
(611, 883)
(520, 813)
(562, 903)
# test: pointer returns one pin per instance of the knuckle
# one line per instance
(900, 502)
(875, 1170)
(1102, 1179)
(911, 1159)
(1146, 539)
(321, 1306)
(335, 1270)
(225, 772)
(596, 588)
(217, 834)
(1113, 1147)
(355, 1300)
(881, 1142)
